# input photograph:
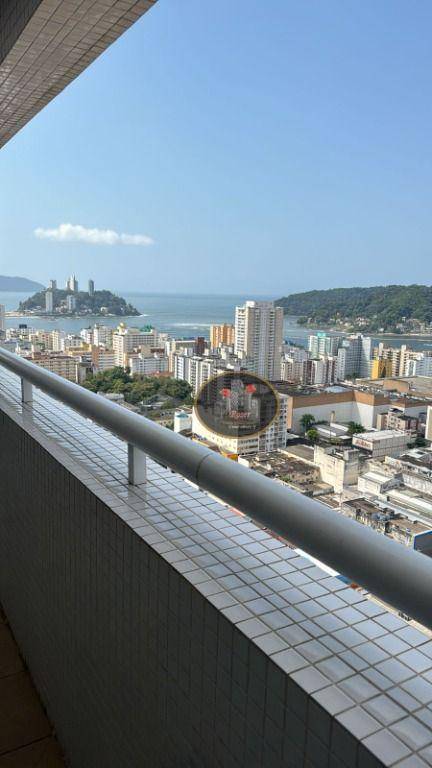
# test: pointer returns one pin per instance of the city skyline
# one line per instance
(229, 163)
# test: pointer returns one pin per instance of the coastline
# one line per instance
(65, 315)
(379, 334)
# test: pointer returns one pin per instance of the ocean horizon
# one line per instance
(182, 315)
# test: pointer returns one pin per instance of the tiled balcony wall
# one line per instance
(14, 15)
(45, 44)
(163, 629)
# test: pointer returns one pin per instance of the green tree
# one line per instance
(312, 435)
(354, 428)
(138, 388)
(107, 381)
(307, 420)
(377, 306)
(176, 388)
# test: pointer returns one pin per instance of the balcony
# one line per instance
(162, 627)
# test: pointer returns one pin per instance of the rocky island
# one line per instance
(69, 303)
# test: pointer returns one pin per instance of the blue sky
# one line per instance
(263, 147)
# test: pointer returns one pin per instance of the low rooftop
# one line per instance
(381, 434)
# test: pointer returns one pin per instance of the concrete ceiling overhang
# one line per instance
(45, 44)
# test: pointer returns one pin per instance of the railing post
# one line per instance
(137, 472)
(26, 391)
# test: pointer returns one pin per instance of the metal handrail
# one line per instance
(398, 575)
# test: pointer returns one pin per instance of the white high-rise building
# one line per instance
(259, 336)
(275, 436)
(49, 301)
(354, 357)
(147, 365)
(102, 336)
(70, 303)
(323, 371)
(2, 318)
(126, 340)
(322, 344)
(421, 366)
(193, 369)
(58, 340)
(72, 284)
(87, 335)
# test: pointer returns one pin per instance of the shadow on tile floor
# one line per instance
(26, 735)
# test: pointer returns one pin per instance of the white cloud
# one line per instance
(77, 233)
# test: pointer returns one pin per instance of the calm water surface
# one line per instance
(181, 315)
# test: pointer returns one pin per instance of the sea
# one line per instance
(183, 316)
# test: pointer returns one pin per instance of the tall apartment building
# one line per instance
(71, 340)
(259, 335)
(421, 365)
(323, 371)
(42, 339)
(297, 353)
(200, 345)
(354, 357)
(396, 360)
(52, 285)
(193, 369)
(57, 340)
(322, 344)
(2, 318)
(295, 364)
(311, 372)
(102, 359)
(72, 284)
(87, 334)
(200, 371)
(147, 365)
(222, 335)
(381, 368)
(275, 436)
(63, 365)
(49, 300)
(71, 303)
(102, 336)
(126, 340)
(91, 287)
(180, 347)
(297, 371)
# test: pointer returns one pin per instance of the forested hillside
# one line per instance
(380, 307)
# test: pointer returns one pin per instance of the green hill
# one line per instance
(18, 284)
(387, 307)
(101, 303)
